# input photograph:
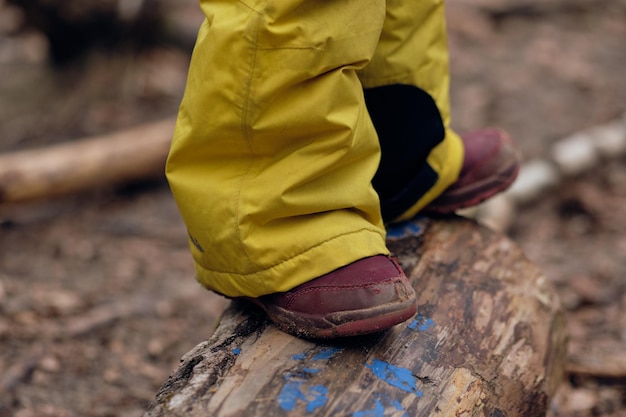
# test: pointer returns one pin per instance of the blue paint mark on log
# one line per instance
(295, 391)
(318, 395)
(398, 377)
(380, 410)
(421, 323)
(398, 406)
(408, 228)
(237, 351)
(315, 397)
(327, 353)
(289, 395)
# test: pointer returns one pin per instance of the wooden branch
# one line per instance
(127, 155)
(489, 339)
(606, 365)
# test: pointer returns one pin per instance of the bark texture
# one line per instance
(488, 340)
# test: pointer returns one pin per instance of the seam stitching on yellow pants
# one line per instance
(254, 9)
(296, 48)
(297, 254)
(247, 134)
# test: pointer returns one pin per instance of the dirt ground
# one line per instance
(97, 296)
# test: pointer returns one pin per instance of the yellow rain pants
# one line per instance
(274, 151)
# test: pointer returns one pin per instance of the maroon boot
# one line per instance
(366, 296)
(490, 165)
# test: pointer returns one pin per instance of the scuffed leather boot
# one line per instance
(490, 165)
(366, 296)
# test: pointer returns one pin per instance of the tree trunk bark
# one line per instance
(488, 339)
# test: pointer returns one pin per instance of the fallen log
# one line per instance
(488, 339)
(127, 155)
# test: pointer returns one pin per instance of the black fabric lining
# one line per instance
(393, 207)
(409, 126)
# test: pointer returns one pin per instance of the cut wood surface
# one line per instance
(123, 156)
(488, 339)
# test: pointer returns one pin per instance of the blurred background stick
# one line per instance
(123, 156)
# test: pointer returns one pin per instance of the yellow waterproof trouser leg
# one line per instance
(274, 151)
(413, 51)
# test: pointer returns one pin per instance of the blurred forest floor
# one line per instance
(97, 296)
